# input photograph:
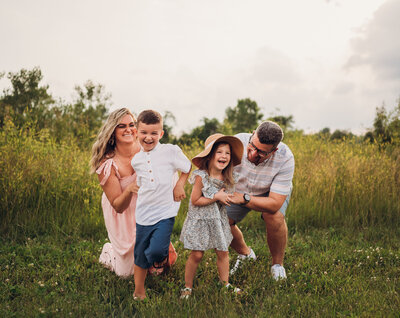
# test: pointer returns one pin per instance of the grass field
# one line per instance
(342, 257)
(331, 273)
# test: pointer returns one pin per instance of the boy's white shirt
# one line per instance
(157, 174)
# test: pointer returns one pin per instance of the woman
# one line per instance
(112, 153)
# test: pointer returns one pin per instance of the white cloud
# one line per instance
(378, 45)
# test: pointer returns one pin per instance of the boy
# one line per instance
(156, 167)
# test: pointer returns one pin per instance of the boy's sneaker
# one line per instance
(241, 258)
(278, 272)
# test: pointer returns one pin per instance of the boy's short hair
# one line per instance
(149, 117)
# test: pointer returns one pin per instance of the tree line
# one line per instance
(29, 105)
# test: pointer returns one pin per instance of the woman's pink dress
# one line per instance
(121, 227)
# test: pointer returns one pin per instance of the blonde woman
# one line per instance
(112, 152)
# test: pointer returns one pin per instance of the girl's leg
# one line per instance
(191, 267)
(139, 277)
(223, 265)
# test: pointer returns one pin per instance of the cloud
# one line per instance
(378, 45)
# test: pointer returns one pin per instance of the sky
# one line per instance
(328, 63)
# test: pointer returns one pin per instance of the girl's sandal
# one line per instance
(139, 299)
(186, 293)
(233, 289)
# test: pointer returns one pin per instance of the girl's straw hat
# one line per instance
(235, 143)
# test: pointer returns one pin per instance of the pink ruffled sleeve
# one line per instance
(106, 169)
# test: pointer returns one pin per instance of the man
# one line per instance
(264, 185)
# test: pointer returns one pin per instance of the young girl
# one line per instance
(206, 225)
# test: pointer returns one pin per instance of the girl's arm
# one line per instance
(119, 199)
(198, 199)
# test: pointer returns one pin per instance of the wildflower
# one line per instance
(40, 283)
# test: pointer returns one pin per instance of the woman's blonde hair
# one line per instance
(105, 141)
(227, 172)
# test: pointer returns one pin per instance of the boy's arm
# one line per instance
(179, 189)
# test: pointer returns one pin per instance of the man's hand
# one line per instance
(223, 197)
(236, 198)
(179, 192)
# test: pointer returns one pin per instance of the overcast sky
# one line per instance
(329, 63)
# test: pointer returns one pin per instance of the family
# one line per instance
(142, 191)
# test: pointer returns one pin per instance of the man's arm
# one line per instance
(270, 204)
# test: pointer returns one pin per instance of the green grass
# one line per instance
(342, 258)
(331, 272)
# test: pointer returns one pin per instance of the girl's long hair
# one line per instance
(102, 146)
(227, 172)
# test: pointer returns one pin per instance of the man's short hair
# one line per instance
(269, 133)
(149, 117)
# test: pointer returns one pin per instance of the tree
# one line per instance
(167, 127)
(381, 125)
(200, 133)
(26, 101)
(286, 122)
(244, 117)
(386, 127)
(340, 135)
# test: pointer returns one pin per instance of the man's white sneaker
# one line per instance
(278, 272)
(241, 258)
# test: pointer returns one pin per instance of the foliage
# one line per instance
(343, 218)
(341, 135)
(26, 100)
(386, 126)
(245, 117)
(286, 122)
(45, 185)
(81, 119)
(169, 121)
(347, 183)
(200, 133)
(28, 104)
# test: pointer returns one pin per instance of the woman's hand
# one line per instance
(223, 197)
(133, 187)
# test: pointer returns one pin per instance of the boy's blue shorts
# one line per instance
(152, 242)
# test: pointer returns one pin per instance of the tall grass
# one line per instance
(347, 183)
(45, 187)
